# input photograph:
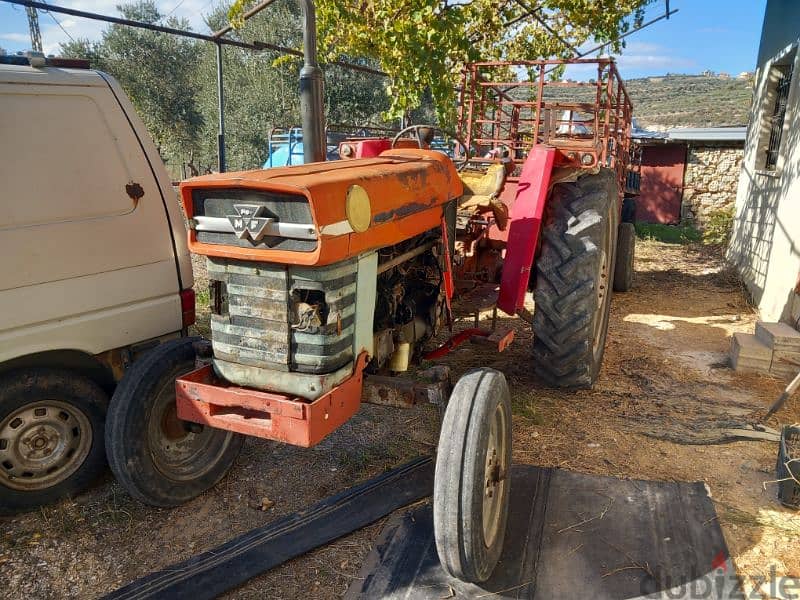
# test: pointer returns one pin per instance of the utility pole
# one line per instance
(33, 27)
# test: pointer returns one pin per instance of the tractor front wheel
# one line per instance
(159, 459)
(471, 488)
(574, 279)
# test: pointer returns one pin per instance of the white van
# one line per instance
(94, 269)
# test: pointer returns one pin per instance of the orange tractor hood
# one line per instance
(406, 189)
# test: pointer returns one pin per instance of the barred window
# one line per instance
(778, 116)
(774, 103)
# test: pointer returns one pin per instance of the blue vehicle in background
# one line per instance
(285, 144)
(286, 147)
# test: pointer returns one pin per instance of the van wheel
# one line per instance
(471, 487)
(51, 437)
(159, 459)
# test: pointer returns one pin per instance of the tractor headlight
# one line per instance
(358, 209)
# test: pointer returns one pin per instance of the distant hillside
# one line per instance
(690, 101)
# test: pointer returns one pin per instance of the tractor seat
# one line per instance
(482, 192)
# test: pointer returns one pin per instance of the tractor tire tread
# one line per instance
(626, 251)
(565, 289)
(128, 456)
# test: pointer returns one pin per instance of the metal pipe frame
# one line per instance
(220, 113)
(250, 13)
(532, 122)
(255, 45)
(312, 85)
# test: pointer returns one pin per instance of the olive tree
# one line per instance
(157, 71)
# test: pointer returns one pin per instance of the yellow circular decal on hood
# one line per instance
(358, 209)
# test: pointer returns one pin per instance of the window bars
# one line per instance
(776, 119)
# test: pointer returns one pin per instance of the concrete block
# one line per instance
(750, 354)
(751, 367)
(778, 336)
(785, 363)
(748, 345)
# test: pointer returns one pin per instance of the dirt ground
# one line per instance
(665, 382)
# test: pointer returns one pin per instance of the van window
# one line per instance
(59, 160)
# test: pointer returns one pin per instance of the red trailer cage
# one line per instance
(507, 108)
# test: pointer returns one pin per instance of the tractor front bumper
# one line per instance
(202, 397)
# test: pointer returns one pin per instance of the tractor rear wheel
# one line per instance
(626, 251)
(574, 275)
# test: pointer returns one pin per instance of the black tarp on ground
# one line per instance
(570, 536)
(225, 567)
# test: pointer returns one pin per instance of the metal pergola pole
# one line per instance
(220, 111)
(312, 109)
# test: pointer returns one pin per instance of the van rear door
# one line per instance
(89, 256)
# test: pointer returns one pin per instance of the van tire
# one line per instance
(145, 439)
(69, 414)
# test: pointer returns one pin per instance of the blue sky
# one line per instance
(719, 35)
(716, 35)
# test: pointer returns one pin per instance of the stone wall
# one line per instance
(710, 182)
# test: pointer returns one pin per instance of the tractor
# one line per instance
(329, 281)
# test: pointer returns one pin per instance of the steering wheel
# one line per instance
(425, 135)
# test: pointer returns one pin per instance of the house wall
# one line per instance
(710, 182)
(765, 243)
(781, 26)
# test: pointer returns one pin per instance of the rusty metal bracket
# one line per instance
(499, 339)
(427, 386)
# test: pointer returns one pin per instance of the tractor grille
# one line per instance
(292, 227)
(283, 317)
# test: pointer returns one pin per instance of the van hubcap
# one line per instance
(42, 444)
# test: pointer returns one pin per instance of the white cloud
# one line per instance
(664, 62)
(14, 37)
(639, 57)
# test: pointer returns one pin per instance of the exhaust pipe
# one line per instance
(312, 108)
